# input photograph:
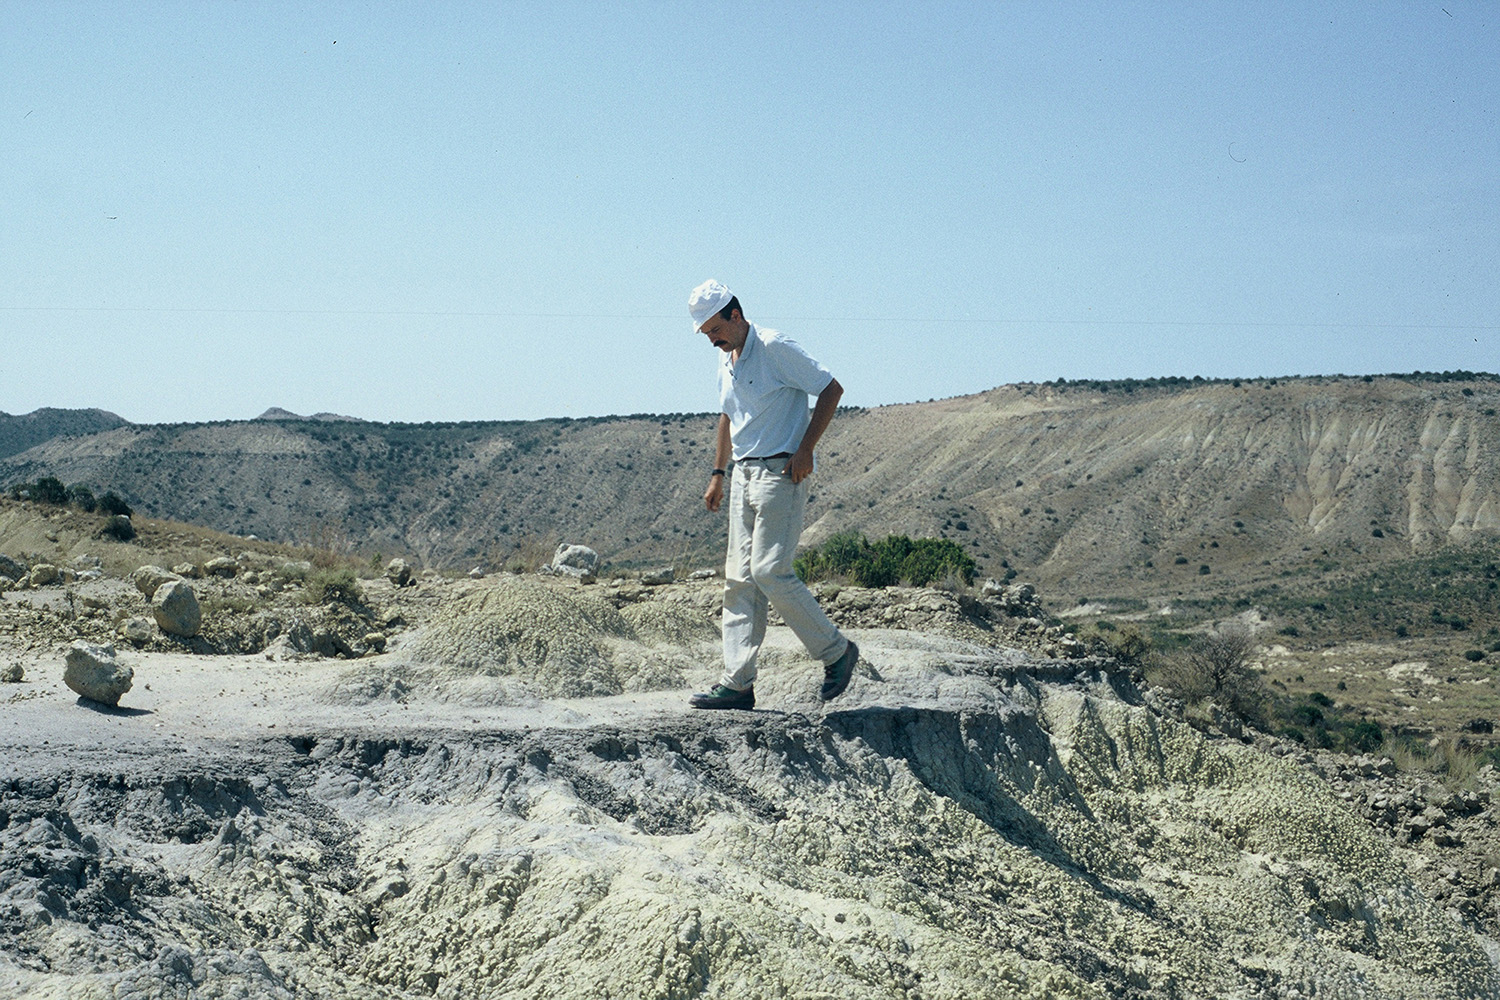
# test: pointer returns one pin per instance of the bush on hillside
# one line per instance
(1216, 667)
(48, 490)
(896, 559)
(82, 497)
(110, 503)
(334, 583)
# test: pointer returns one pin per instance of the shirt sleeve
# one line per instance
(795, 367)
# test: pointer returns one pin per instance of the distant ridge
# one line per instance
(19, 433)
(1149, 487)
(277, 413)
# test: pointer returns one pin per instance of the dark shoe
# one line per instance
(836, 675)
(725, 697)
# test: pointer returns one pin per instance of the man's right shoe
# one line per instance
(837, 674)
(725, 697)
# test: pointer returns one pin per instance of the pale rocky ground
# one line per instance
(514, 801)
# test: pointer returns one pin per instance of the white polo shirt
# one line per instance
(765, 393)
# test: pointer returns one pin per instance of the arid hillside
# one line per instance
(1112, 489)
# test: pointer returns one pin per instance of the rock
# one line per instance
(93, 672)
(148, 578)
(399, 573)
(658, 577)
(43, 574)
(375, 641)
(222, 566)
(136, 629)
(119, 527)
(703, 574)
(476, 573)
(187, 571)
(176, 609)
(297, 569)
(12, 673)
(11, 569)
(577, 561)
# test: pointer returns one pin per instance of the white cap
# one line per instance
(707, 299)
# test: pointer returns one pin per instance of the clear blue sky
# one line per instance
(493, 211)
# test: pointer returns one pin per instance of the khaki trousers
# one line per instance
(765, 523)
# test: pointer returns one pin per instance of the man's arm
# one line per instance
(801, 464)
(714, 495)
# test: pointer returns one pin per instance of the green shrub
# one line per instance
(110, 503)
(1473, 655)
(334, 583)
(118, 528)
(895, 559)
(82, 497)
(1363, 737)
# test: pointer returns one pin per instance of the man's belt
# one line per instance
(766, 458)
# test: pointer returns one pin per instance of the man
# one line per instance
(764, 426)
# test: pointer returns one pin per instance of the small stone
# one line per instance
(12, 673)
(375, 641)
(658, 577)
(136, 629)
(93, 672)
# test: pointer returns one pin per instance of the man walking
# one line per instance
(764, 426)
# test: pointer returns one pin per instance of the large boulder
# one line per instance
(399, 573)
(11, 569)
(175, 607)
(93, 672)
(575, 560)
(147, 578)
(43, 574)
(658, 577)
(222, 566)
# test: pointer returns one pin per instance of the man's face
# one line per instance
(726, 334)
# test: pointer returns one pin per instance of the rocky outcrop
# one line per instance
(968, 824)
(93, 672)
(11, 569)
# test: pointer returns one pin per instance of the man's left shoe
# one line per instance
(836, 675)
(725, 697)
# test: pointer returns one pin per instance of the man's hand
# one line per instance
(799, 466)
(714, 495)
